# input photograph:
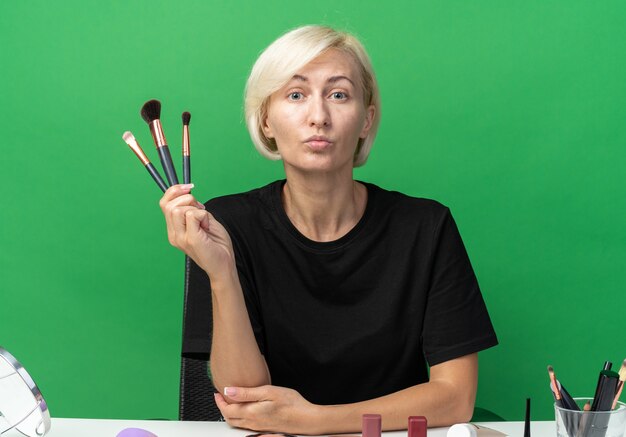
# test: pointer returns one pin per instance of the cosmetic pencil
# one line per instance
(151, 113)
(527, 419)
(584, 420)
(186, 150)
(605, 391)
(129, 139)
(620, 384)
(602, 401)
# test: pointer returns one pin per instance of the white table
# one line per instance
(162, 428)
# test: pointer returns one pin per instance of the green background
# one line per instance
(511, 113)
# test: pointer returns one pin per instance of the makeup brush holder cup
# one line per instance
(571, 423)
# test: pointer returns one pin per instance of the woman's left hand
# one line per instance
(268, 408)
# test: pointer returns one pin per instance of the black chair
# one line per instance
(196, 401)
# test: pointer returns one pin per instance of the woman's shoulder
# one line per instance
(245, 204)
(397, 201)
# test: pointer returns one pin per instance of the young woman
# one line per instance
(330, 296)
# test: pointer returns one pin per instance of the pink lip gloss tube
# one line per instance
(417, 426)
(372, 425)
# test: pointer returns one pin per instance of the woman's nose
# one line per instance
(319, 114)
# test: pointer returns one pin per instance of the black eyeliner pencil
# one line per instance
(186, 149)
(151, 112)
(527, 419)
(129, 139)
(602, 401)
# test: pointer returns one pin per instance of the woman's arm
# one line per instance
(446, 399)
(235, 355)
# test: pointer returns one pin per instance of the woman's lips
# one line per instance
(318, 143)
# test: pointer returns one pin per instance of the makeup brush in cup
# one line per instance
(129, 139)
(151, 113)
(620, 384)
(555, 387)
(186, 150)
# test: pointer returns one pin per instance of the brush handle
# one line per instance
(156, 176)
(168, 165)
(186, 169)
(567, 400)
(527, 419)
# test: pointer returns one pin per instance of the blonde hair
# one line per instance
(285, 57)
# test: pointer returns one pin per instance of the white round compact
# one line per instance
(462, 430)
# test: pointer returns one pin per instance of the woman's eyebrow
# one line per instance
(332, 79)
(335, 79)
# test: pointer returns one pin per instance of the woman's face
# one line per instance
(318, 117)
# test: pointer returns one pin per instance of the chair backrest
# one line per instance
(196, 401)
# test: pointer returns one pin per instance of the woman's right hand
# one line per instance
(197, 233)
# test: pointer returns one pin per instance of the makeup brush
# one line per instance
(129, 138)
(555, 386)
(620, 384)
(186, 151)
(151, 113)
(566, 399)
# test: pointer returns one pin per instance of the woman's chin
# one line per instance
(320, 165)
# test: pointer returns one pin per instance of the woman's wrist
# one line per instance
(224, 279)
(332, 419)
(316, 422)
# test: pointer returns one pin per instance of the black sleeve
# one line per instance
(456, 322)
(197, 312)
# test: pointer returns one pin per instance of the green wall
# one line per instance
(512, 113)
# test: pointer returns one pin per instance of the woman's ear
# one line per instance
(370, 113)
(267, 130)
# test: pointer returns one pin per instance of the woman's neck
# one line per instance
(324, 207)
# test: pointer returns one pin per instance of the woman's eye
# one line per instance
(295, 95)
(339, 95)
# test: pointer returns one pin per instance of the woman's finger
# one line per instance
(197, 220)
(177, 225)
(173, 192)
(228, 411)
(183, 198)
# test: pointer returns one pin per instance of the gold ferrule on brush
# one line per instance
(157, 133)
(186, 140)
(134, 146)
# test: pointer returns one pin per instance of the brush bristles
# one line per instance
(554, 383)
(186, 118)
(622, 372)
(128, 137)
(151, 111)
